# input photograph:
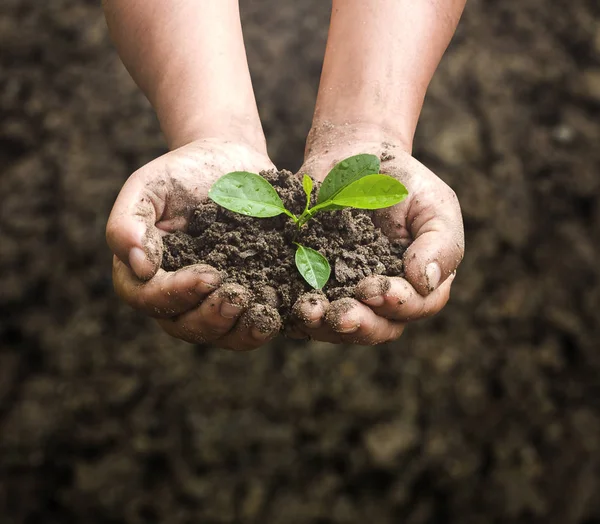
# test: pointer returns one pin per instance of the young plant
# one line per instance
(354, 182)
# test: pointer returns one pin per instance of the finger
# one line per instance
(324, 333)
(168, 293)
(308, 317)
(131, 232)
(358, 324)
(394, 298)
(296, 333)
(309, 310)
(256, 327)
(179, 328)
(212, 319)
(438, 246)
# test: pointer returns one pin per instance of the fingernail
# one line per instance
(209, 280)
(374, 301)
(433, 274)
(259, 335)
(138, 262)
(229, 310)
(349, 329)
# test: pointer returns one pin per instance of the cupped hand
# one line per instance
(191, 303)
(428, 222)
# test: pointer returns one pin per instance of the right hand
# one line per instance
(190, 304)
(428, 223)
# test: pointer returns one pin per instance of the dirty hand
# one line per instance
(429, 223)
(190, 303)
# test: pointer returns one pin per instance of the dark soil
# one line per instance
(487, 414)
(259, 253)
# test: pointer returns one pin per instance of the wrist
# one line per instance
(367, 111)
(181, 127)
(186, 115)
(189, 59)
(330, 139)
(379, 84)
(329, 143)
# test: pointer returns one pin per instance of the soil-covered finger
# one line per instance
(167, 294)
(373, 290)
(131, 232)
(296, 333)
(258, 325)
(356, 323)
(183, 329)
(396, 299)
(439, 244)
(218, 314)
(310, 309)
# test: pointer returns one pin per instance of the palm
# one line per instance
(190, 303)
(429, 224)
(178, 181)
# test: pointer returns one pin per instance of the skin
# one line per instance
(428, 222)
(371, 94)
(189, 59)
(189, 304)
(192, 66)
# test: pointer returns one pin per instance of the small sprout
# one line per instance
(307, 184)
(354, 182)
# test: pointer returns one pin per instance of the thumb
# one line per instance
(439, 244)
(131, 230)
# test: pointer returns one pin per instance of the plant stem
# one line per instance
(292, 216)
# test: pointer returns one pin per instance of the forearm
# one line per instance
(188, 57)
(380, 58)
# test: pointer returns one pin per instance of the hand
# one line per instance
(190, 304)
(428, 222)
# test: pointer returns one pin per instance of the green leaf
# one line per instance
(346, 172)
(248, 194)
(307, 184)
(371, 192)
(313, 266)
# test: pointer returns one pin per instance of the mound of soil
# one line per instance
(258, 253)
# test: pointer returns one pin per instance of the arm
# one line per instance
(380, 58)
(188, 57)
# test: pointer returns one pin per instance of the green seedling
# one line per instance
(353, 183)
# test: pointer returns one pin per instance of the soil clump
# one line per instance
(258, 253)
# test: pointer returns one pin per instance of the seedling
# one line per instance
(354, 182)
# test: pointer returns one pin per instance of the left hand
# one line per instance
(428, 222)
(190, 304)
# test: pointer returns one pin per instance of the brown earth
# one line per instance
(489, 413)
(258, 253)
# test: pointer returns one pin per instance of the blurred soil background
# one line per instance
(489, 413)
